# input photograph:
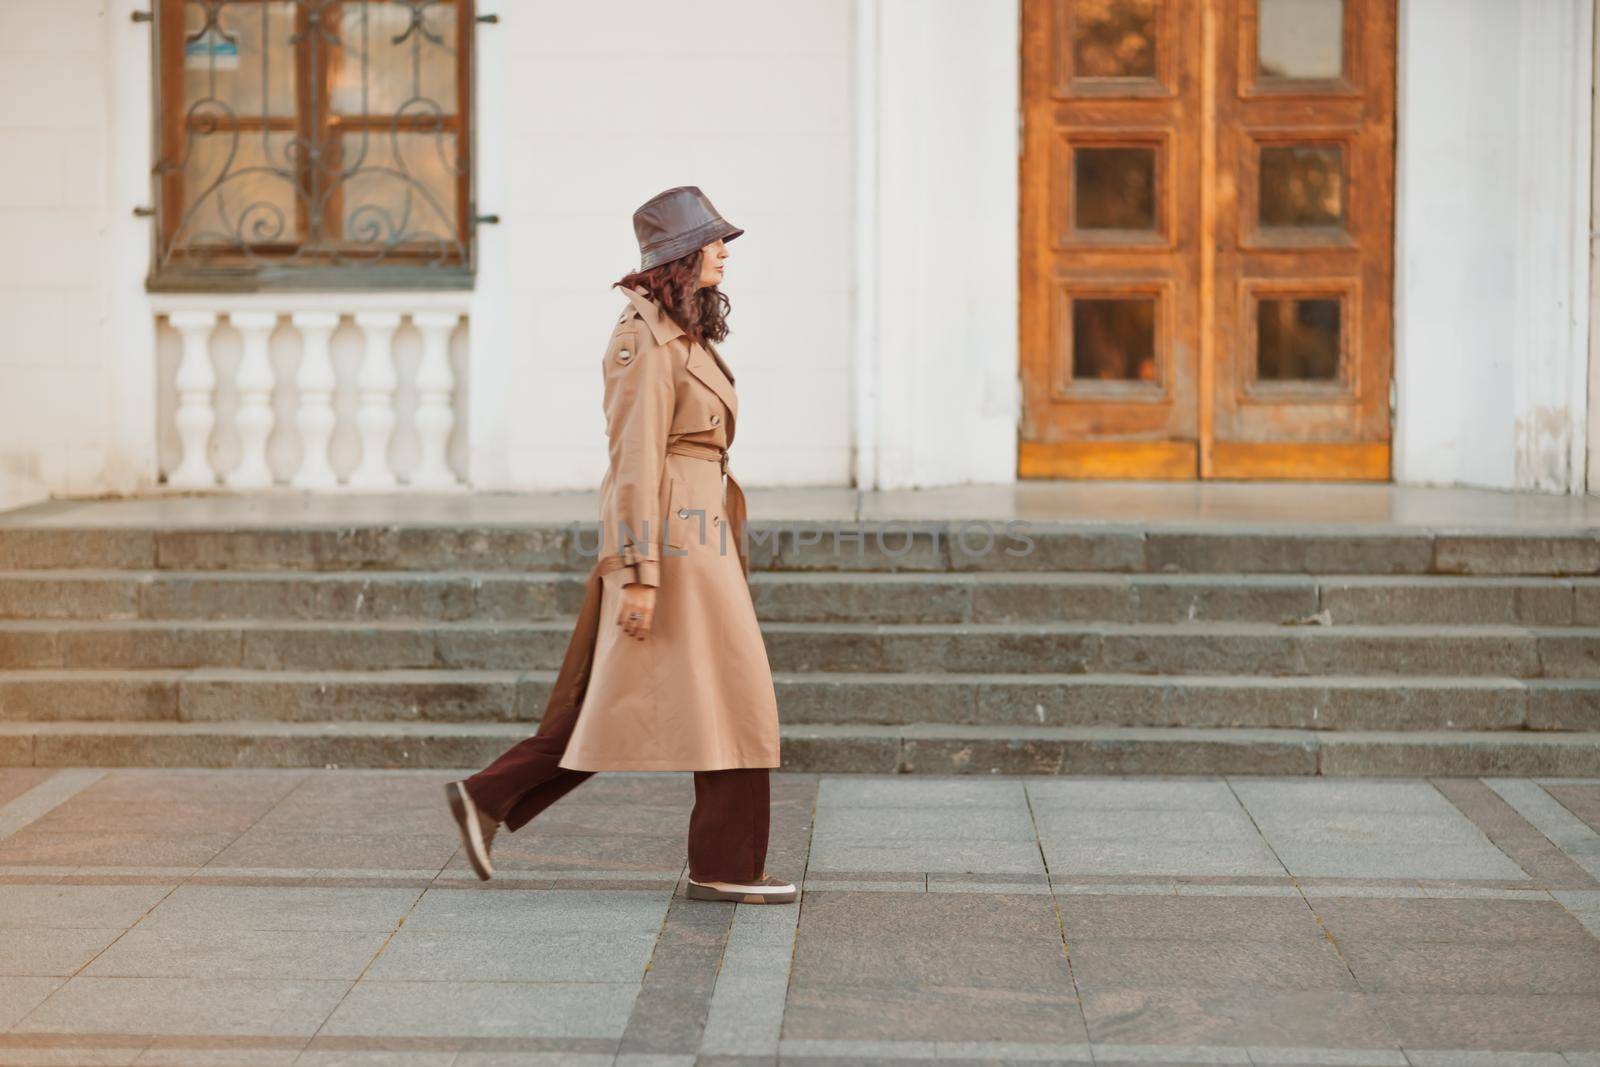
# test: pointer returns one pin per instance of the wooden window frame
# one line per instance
(264, 266)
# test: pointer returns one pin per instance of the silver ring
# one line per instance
(635, 615)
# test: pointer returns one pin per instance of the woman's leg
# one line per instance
(522, 781)
(729, 825)
(525, 779)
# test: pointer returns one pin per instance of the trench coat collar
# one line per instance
(661, 325)
(663, 329)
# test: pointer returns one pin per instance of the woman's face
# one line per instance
(711, 257)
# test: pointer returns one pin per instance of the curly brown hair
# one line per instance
(702, 313)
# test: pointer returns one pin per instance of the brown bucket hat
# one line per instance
(677, 222)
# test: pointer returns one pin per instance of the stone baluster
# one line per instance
(255, 415)
(376, 385)
(195, 416)
(315, 416)
(435, 387)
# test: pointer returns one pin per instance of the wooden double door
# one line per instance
(1207, 238)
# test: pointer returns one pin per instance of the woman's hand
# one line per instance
(637, 599)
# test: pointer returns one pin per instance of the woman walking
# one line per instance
(666, 669)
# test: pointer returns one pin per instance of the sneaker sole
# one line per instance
(458, 808)
(705, 892)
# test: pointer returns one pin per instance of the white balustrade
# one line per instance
(195, 416)
(316, 380)
(255, 416)
(316, 418)
(376, 385)
(435, 383)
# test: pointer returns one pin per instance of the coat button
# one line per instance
(716, 420)
(683, 513)
(623, 355)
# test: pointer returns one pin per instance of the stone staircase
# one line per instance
(1106, 649)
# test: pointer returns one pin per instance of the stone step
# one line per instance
(971, 545)
(793, 596)
(1313, 703)
(920, 749)
(1063, 648)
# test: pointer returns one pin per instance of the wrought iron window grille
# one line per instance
(313, 144)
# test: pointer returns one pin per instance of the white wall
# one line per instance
(939, 393)
(591, 109)
(57, 430)
(1491, 250)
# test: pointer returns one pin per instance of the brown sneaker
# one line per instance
(477, 828)
(764, 890)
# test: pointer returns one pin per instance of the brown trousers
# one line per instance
(728, 826)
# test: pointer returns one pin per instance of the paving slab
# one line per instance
(41, 951)
(897, 791)
(1567, 967)
(1354, 826)
(77, 907)
(1097, 792)
(245, 1006)
(20, 995)
(868, 825)
(260, 847)
(1100, 964)
(226, 952)
(485, 1009)
(930, 1012)
(1238, 1018)
(1544, 1022)
(994, 942)
(999, 857)
(593, 955)
(1146, 824)
(1091, 916)
(1135, 856)
(326, 908)
(165, 802)
(1314, 859)
(534, 912)
(32, 845)
(1453, 921)
(1340, 795)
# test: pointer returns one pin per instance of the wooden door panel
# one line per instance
(1207, 227)
(1304, 199)
(1110, 230)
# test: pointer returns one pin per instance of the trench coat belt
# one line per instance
(572, 680)
(736, 504)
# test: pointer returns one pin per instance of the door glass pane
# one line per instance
(1114, 339)
(1302, 185)
(1297, 339)
(1114, 188)
(1114, 38)
(1300, 39)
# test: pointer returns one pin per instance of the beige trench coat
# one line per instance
(697, 693)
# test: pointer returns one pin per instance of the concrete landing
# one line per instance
(1286, 504)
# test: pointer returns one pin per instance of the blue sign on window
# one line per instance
(211, 50)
